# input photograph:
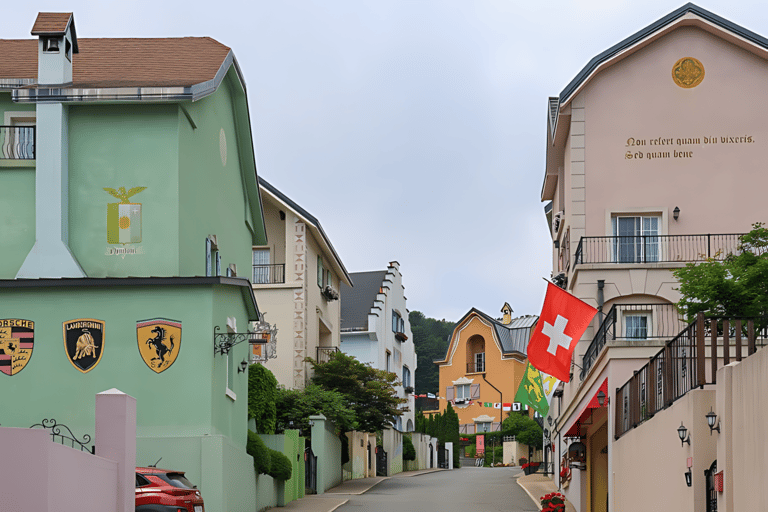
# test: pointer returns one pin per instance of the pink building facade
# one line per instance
(655, 158)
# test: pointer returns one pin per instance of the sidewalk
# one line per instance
(537, 485)
(338, 496)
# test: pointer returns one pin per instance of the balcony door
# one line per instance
(636, 239)
(261, 268)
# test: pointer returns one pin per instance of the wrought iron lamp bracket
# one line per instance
(224, 341)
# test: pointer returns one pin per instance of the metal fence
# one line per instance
(682, 366)
(17, 142)
(324, 354)
(269, 274)
(655, 248)
(633, 322)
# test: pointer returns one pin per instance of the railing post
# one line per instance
(726, 342)
(700, 340)
(666, 381)
(713, 350)
(751, 349)
(738, 340)
(709, 244)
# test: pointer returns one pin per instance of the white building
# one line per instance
(375, 329)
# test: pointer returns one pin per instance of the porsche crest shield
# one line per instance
(84, 342)
(159, 342)
(17, 338)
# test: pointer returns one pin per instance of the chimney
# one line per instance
(507, 311)
(50, 256)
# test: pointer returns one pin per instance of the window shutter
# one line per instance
(495, 427)
(471, 428)
(449, 393)
(474, 391)
(207, 256)
(218, 263)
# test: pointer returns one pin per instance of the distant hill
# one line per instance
(430, 339)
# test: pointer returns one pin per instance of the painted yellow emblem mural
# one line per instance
(688, 72)
(159, 342)
(124, 218)
(17, 338)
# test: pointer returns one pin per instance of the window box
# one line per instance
(401, 337)
(408, 389)
(330, 294)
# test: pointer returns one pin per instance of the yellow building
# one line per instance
(483, 366)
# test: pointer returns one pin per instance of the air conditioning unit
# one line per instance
(557, 221)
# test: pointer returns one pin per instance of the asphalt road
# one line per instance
(467, 489)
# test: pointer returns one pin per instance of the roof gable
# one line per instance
(358, 301)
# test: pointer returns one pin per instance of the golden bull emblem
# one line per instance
(84, 342)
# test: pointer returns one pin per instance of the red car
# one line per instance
(163, 490)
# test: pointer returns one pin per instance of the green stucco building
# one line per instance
(129, 204)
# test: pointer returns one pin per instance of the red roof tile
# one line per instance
(49, 23)
(161, 62)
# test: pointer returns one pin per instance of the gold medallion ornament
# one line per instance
(688, 72)
(84, 342)
(159, 342)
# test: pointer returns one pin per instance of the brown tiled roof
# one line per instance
(50, 23)
(161, 62)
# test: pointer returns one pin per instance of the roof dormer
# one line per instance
(57, 43)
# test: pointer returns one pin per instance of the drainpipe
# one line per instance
(501, 398)
(600, 298)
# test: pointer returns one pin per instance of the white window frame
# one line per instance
(626, 315)
(231, 328)
(480, 362)
(652, 211)
(462, 388)
(483, 426)
(263, 272)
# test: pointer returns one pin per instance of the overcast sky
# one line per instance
(413, 130)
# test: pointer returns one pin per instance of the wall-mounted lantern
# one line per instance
(682, 433)
(711, 419)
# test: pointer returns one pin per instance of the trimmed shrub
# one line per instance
(262, 394)
(262, 461)
(281, 468)
(409, 452)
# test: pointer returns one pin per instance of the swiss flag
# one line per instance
(563, 320)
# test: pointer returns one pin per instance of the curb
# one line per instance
(535, 501)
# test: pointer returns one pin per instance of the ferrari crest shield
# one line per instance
(17, 338)
(159, 342)
(84, 342)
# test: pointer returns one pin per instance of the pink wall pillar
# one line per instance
(116, 440)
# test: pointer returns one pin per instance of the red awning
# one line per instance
(575, 430)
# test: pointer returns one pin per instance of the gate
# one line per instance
(310, 471)
(709, 474)
(381, 461)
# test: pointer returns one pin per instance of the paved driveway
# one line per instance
(466, 489)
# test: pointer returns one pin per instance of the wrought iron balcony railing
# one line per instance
(655, 248)
(475, 367)
(633, 322)
(269, 274)
(17, 142)
(324, 354)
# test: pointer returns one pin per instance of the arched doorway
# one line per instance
(709, 474)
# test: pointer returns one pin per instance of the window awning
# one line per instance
(586, 413)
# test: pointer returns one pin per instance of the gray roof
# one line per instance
(514, 337)
(710, 17)
(357, 301)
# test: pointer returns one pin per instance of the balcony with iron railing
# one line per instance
(655, 248)
(633, 323)
(324, 354)
(269, 274)
(17, 142)
(476, 367)
(687, 361)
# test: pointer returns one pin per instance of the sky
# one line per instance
(414, 130)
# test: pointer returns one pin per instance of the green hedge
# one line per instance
(409, 452)
(280, 468)
(262, 395)
(262, 459)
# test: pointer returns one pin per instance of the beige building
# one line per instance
(296, 278)
(655, 157)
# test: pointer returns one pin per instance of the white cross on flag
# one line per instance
(563, 320)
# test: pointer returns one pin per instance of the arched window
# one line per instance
(476, 354)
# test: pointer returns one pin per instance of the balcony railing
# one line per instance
(682, 366)
(633, 322)
(17, 142)
(269, 274)
(475, 367)
(655, 248)
(324, 354)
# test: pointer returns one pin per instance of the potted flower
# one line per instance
(522, 460)
(553, 502)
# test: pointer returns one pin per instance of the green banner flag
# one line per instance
(487, 404)
(531, 391)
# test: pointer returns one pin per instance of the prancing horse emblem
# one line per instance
(159, 341)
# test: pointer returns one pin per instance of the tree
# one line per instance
(430, 340)
(525, 430)
(295, 406)
(737, 286)
(368, 392)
